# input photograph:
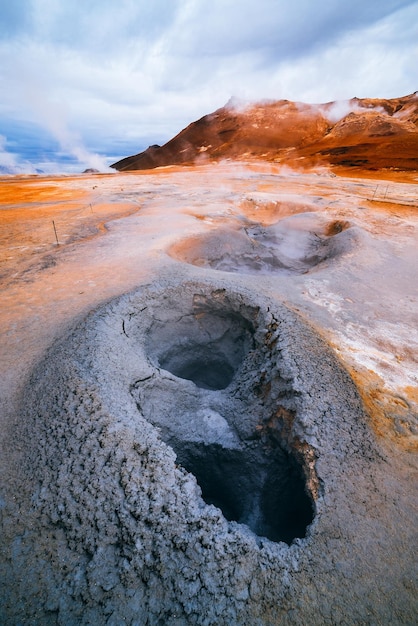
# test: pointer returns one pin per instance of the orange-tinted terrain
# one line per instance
(113, 229)
(286, 203)
(361, 133)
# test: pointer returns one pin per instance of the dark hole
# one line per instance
(266, 494)
(204, 347)
(209, 373)
(287, 508)
(201, 365)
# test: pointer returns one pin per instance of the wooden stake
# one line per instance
(55, 231)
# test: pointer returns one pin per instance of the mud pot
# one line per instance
(198, 451)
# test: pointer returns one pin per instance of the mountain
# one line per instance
(15, 170)
(370, 133)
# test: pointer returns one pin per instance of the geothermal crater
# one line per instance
(296, 244)
(254, 480)
(186, 437)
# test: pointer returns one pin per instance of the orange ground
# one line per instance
(114, 232)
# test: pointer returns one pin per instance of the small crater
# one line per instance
(205, 346)
(266, 493)
(245, 462)
(201, 365)
(336, 227)
(295, 244)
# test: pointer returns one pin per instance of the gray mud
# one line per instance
(201, 457)
(296, 244)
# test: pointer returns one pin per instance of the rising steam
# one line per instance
(53, 116)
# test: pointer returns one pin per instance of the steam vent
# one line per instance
(198, 454)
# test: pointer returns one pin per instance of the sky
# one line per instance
(86, 82)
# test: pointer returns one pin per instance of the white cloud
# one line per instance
(97, 71)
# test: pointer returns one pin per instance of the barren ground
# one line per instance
(340, 249)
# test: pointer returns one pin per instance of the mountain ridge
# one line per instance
(371, 133)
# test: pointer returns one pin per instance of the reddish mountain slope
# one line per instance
(371, 133)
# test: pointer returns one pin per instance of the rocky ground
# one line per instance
(209, 397)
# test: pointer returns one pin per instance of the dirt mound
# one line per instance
(195, 449)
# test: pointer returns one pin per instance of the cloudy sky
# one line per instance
(83, 83)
